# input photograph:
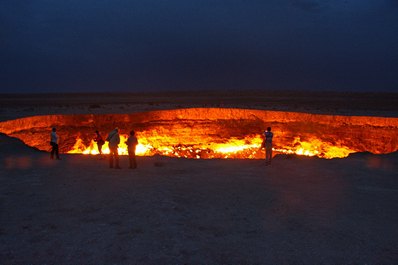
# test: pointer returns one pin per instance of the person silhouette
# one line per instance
(54, 144)
(268, 135)
(114, 140)
(100, 142)
(131, 145)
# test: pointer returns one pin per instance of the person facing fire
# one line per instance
(131, 145)
(268, 135)
(54, 144)
(100, 142)
(114, 140)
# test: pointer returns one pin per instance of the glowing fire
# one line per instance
(316, 147)
(92, 149)
(214, 133)
(250, 147)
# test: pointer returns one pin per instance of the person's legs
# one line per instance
(116, 154)
(56, 151)
(52, 151)
(130, 159)
(111, 158)
(99, 148)
(268, 152)
(134, 161)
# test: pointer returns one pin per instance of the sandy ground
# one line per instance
(360, 104)
(174, 211)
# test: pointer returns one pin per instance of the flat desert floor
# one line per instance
(299, 210)
(14, 106)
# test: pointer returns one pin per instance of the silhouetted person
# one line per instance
(100, 142)
(131, 145)
(268, 135)
(54, 144)
(114, 140)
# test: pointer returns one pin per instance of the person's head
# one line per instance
(132, 132)
(97, 132)
(117, 129)
(54, 129)
(268, 129)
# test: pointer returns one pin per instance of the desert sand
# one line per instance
(14, 106)
(299, 210)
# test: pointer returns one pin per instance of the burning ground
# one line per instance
(215, 132)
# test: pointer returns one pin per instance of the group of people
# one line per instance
(114, 140)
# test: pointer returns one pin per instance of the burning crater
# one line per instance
(214, 133)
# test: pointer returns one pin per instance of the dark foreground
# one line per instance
(174, 211)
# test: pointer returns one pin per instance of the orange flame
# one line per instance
(316, 147)
(151, 143)
(92, 149)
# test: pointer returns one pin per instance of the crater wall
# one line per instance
(195, 125)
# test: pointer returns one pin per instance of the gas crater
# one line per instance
(214, 133)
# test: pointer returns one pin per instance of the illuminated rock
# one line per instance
(215, 132)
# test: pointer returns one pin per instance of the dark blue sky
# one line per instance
(139, 45)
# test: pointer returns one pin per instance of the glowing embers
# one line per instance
(80, 148)
(316, 147)
(247, 148)
(214, 133)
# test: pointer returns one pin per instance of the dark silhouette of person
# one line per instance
(54, 144)
(114, 140)
(100, 142)
(132, 143)
(268, 135)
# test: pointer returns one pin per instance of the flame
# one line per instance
(151, 143)
(80, 148)
(316, 147)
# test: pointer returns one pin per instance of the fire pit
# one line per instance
(214, 133)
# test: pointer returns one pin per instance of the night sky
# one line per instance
(151, 45)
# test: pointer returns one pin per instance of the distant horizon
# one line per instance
(209, 91)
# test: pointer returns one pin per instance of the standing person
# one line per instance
(54, 144)
(131, 145)
(268, 135)
(100, 142)
(114, 140)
